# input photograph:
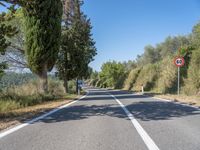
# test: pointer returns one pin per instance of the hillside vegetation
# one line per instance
(155, 70)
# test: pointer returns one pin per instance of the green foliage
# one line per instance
(29, 94)
(15, 56)
(169, 47)
(129, 65)
(42, 33)
(196, 35)
(77, 46)
(3, 66)
(193, 81)
(147, 77)
(167, 80)
(113, 74)
(94, 77)
(5, 32)
(11, 79)
(72, 87)
(131, 79)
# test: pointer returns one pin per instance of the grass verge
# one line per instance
(20, 115)
(190, 100)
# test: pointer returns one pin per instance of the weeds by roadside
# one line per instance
(29, 94)
(16, 116)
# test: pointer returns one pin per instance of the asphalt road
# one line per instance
(112, 120)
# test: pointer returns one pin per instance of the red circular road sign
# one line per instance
(179, 61)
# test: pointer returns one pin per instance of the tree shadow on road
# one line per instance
(143, 110)
(79, 112)
(147, 111)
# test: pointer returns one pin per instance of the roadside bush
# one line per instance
(192, 83)
(56, 88)
(72, 86)
(93, 82)
(101, 83)
(14, 79)
(8, 105)
(147, 77)
(168, 76)
(113, 74)
(29, 94)
(132, 77)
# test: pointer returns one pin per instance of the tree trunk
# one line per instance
(77, 85)
(66, 85)
(43, 80)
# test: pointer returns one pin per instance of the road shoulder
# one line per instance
(22, 115)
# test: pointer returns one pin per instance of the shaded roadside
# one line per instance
(190, 100)
(185, 99)
(17, 116)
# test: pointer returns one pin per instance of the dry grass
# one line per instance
(29, 94)
(131, 79)
(17, 116)
(147, 77)
(191, 100)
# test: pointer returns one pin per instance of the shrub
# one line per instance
(8, 105)
(132, 77)
(113, 74)
(29, 94)
(93, 82)
(56, 88)
(168, 76)
(192, 83)
(72, 86)
(147, 77)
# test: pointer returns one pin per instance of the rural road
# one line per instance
(112, 120)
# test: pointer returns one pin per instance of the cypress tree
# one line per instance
(77, 46)
(42, 19)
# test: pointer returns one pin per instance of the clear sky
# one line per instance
(121, 28)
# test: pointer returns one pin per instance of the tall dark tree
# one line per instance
(42, 36)
(77, 47)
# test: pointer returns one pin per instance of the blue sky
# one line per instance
(122, 28)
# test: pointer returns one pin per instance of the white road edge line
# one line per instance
(167, 100)
(143, 134)
(178, 102)
(9, 131)
(171, 101)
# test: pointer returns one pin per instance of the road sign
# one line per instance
(179, 61)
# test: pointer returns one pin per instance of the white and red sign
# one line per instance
(179, 61)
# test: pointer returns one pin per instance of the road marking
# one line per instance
(9, 131)
(162, 99)
(177, 102)
(143, 134)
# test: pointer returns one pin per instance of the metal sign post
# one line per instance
(178, 81)
(179, 62)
